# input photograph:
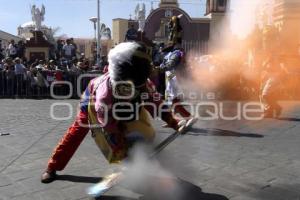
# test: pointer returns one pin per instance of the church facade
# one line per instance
(198, 33)
(195, 31)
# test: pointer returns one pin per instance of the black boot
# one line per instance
(48, 176)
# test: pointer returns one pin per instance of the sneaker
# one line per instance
(48, 176)
(191, 121)
(165, 125)
(181, 126)
(181, 130)
(181, 123)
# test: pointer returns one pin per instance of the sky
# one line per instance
(72, 16)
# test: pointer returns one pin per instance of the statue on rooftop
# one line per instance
(140, 15)
(37, 16)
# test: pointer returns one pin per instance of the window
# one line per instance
(168, 13)
(166, 31)
(221, 3)
(207, 6)
(221, 6)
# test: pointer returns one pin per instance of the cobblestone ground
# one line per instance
(237, 160)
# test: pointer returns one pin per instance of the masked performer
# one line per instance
(174, 67)
(115, 109)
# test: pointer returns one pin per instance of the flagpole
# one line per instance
(98, 34)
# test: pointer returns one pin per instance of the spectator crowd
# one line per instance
(20, 77)
(68, 72)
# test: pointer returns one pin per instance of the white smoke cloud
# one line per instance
(145, 176)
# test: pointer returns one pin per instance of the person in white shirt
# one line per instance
(41, 65)
(12, 49)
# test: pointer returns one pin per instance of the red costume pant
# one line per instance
(69, 143)
(178, 108)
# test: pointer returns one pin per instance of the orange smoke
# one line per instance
(239, 69)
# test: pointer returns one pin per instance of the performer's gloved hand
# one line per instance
(162, 67)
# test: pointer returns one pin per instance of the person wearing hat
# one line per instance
(176, 30)
(41, 65)
(112, 108)
(82, 57)
(51, 66)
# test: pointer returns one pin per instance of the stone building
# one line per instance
(219, 14)
(283, 17)
(156, 27)
(5, 38)
(286, 16)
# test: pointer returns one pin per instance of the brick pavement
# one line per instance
(237, 160)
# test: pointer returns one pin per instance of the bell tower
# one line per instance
(168, 3)
(216, 6)
(219, 13)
